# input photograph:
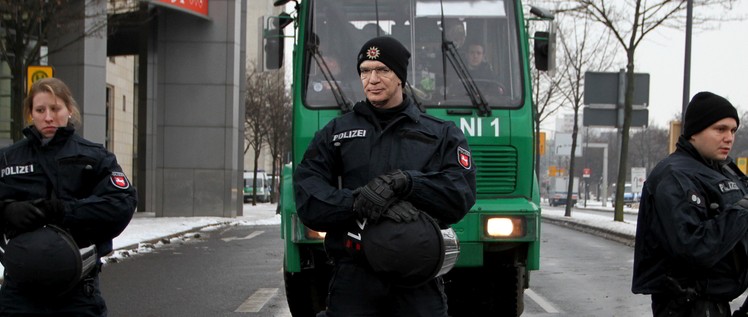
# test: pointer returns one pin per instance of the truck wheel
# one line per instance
(306, 291)
(501, 292)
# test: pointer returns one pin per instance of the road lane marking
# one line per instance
(249, 236)
(254, 303)
(541, 301)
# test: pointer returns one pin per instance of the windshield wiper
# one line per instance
(450, 51)
(343, 102)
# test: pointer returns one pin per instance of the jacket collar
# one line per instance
(684, 146)
(410, 111)
(61, 136)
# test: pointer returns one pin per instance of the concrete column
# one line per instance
(78, 55)
(199, 103)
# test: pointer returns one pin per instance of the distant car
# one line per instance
(559, 198)
(629, 197)
(263, 187)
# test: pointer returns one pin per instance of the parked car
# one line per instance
(263, 186)
(629, 197)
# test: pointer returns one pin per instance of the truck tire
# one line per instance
(501, 292)
(306, 291)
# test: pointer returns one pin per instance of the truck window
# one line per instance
(339, 28)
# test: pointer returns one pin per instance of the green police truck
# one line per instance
(500, 236)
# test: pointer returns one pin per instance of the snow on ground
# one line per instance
(146, 226)
(598, 221)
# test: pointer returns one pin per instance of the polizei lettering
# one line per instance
(349, 135)
(728, 186)
(17, 170)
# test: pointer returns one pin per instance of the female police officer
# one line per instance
(384, 153)
(56, 177)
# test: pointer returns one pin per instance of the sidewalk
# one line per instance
(603, 226)
(147, 231)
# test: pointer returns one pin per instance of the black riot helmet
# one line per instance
(46, 261)
(410, 253)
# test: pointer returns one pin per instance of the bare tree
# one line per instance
(279, 126)
(25, 26)
(629, 22)
(257, 107)
(582, 49)
(546, 100)
(646, 147)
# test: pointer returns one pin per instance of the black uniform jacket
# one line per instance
(352, 149)
(690, 229)
(98, 198)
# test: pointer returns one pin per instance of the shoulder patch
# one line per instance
(696, 199)
(119, 180)
(464, 157)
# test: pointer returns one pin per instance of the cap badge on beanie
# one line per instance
(372, 52)
(388, 51)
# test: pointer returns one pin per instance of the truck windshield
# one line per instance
(484, 34)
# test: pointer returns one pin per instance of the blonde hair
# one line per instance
(58, 89)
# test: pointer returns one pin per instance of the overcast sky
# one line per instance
(719, 63)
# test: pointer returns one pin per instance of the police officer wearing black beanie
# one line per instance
(384, 161)
(691, 249)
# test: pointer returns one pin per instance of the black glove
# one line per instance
(53, 209)
(743, 202)
(401, 211)
(22, 216)
(373, 199)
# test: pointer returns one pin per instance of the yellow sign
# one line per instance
(552, 171)
(36, 72)
(541, 143)
(743, 164)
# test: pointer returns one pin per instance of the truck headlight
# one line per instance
(505, 227)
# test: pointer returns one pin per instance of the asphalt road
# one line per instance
(236, 271)
(583, 275)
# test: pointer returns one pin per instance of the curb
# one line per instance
(167, 237)
(625, 239)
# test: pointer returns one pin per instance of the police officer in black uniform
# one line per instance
(385, 158)
(56, 177)
(692, 230)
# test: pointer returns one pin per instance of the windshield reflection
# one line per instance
(483, 34)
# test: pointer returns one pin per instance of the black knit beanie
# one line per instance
(387, 50)
(704, 110)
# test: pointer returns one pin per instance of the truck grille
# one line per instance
(497, 169)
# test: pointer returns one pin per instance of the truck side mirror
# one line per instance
(273, 37)
(545, 41)
(545, 50)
